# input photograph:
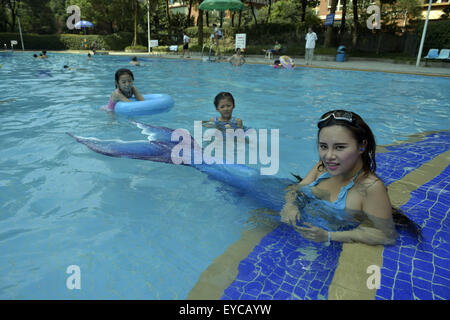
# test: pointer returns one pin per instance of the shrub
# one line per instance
(438, 35)
(136, 49)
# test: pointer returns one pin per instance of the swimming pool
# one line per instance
(143, 230)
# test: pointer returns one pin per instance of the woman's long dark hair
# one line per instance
(363, 135)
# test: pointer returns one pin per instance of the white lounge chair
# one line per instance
(444, 54)
(432, 54)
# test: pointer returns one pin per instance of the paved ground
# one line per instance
(361, 64)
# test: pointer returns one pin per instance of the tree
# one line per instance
(285, 11)
(200, 26)
(344, 13)
(13, 8)
(305, 4)
(356, 25)
(446, 13)
(253, 12)
(329, 31)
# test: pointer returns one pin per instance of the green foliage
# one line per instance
(136, 49)
(446, 13)
(438, 35)
(117, 41)
(399, 10)
(285, 11)
(33, 41)
(260, 34)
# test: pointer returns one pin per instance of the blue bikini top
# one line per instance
(232, 122)
(330, 216)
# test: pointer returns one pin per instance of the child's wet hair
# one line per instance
(121, 72)
(221, 96)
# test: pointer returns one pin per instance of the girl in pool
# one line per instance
(125, 89)
(224, 103)
(135, 61)
(342, 189)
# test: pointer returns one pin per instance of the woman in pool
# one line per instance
(125, 89)
(342, 189)
(224, 103)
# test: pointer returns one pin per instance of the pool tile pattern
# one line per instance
(279, 269)
(421, 271)
(404, 158)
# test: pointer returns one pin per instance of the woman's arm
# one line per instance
(378, 211)
(378, 229)
(290, 213)
(138, 96)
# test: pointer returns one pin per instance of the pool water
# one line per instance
(144, 230)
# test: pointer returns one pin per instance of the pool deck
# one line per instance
(326, 62)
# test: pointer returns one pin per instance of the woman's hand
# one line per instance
(313, 233)
(290, 214)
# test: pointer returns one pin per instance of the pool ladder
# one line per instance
(210, 58)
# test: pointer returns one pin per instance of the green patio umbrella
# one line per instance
(221, 5)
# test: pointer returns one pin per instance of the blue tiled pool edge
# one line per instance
(414, 270)
(275, 270)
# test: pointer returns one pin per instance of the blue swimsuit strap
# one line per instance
(342, 197)
(231, 121)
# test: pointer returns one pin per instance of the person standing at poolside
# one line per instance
(186, 40)
(311, 38)
(215, 36)
(342, 189)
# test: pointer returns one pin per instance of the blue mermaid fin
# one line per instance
(268, 191)
(143, 150)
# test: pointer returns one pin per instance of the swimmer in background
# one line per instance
(35, 56)
(237, 59)
(277, 64)
(125, 89)
(89, 56)
(135, 61)
(224, 103)
(66, 67)
(44, 54)
(342, 190)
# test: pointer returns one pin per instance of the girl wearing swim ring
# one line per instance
(125, 89)
(342, 189)
(224, 103)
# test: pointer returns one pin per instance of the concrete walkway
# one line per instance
(441, 69)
